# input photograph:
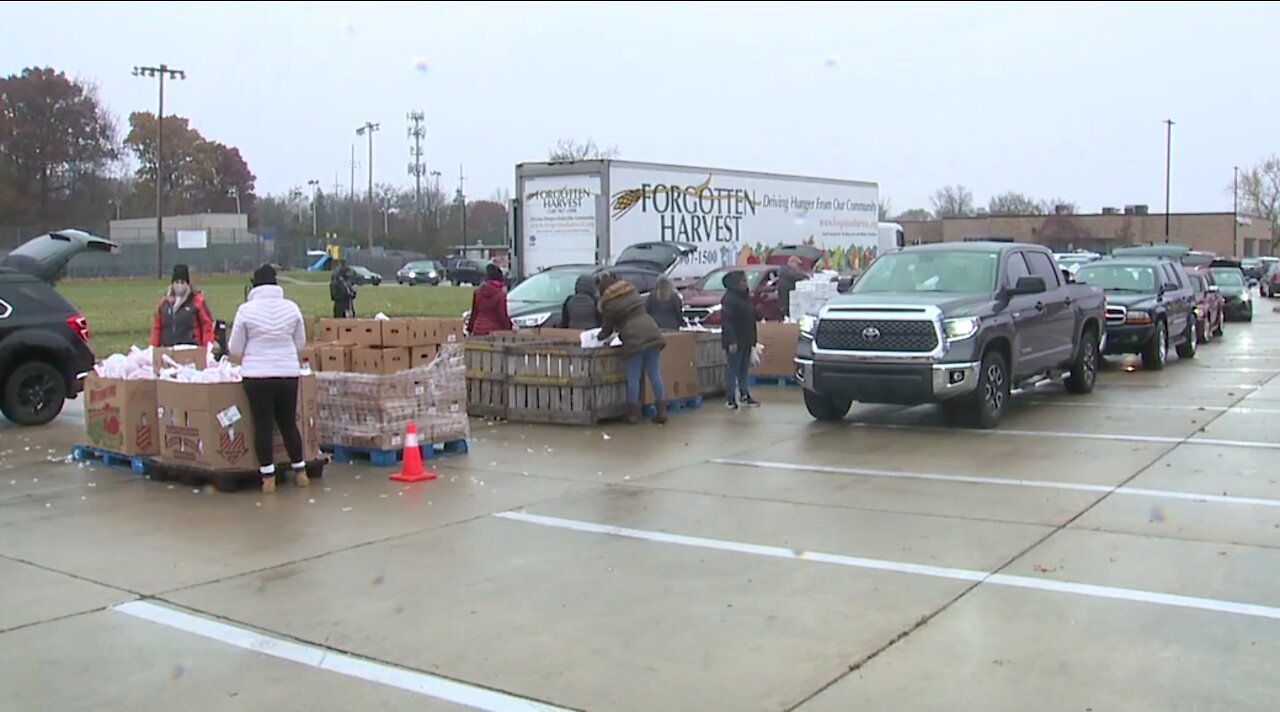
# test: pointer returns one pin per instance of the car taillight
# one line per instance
(80, 326)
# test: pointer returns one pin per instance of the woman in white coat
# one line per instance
(266, 336)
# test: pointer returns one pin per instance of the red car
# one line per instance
(1210, 304)
(702, 301)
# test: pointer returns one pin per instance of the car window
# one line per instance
(1198, 285)
(1016, 268)
(1172, 273)
(1042, 266)
(1228, 277)
(1119, 278)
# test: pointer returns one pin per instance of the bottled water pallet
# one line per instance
(390, 458)
(678, 405)
(138, 464)
(781, 381)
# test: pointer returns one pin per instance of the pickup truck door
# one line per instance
(1177, 302)
(1059, 311)
(1030, 324)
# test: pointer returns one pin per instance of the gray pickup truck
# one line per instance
(958, 324)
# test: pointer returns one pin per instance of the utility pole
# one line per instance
(1168, 153)
(315, 201)
(368, 128)
(462, 201)
(416, 167)
(352, 212)
(436, 193)
(162, 72)
(1235, 211)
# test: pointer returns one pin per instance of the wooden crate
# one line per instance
(486, 398)
(711, 380)
(711, 361)
(485, 358)
(562, 383)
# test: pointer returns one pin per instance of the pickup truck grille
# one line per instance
(876, 335)
(1116, 315)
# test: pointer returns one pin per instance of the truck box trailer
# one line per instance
(588, 212)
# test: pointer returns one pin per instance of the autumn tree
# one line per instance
(568, 149)
(953, 201)
(54, 135)
(199, 175)
(1258, 193)
(1011, 202)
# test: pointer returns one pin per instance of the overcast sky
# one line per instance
(1054, 99)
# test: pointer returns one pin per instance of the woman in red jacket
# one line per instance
(182, 318)
(489, 305)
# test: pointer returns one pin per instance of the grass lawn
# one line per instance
(120, 311)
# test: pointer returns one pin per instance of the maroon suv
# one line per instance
(702, 301)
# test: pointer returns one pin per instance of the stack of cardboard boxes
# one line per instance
(779, 340)
(380, 347)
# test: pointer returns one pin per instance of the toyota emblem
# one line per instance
(870, 333)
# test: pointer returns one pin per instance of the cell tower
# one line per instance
(417, 168)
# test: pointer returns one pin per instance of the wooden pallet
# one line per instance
(679, 405)
(390, 458)
(226, 480)
(138, 464)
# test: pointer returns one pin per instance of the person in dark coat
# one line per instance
(342, 290)
(182, 317)
(489, 305)
(787, 278)
(580, 310)
(665, 305)
(738, 336)
(623, 311)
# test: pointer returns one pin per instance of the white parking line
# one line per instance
(1094, 403)
(1001, 481)
(1219, 386)
(1028, 582)
(1114, 437)
(312, 656)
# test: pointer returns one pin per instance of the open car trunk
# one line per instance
(661, 256)
(45, 257)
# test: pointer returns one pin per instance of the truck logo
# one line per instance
(5, 309)
(870, 333)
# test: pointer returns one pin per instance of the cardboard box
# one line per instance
(312, 324)
(380, 362)
(420, 356)
(306, 416)
(120, 416)
(362, 332)
(401, 332)
(183, 357)
(678, 367)
(310, 355)
(205, 425)
(335, 357)
(436, 330)
(779, 342)
(329, 331)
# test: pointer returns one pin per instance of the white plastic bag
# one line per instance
(757, 354)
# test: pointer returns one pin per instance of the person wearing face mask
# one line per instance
(183, 317)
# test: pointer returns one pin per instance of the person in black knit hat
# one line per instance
(182, 317)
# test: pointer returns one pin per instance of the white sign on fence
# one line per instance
(193, 239)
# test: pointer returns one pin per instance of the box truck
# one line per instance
(590, 212)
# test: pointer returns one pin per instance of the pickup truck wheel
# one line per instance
(1084, 370)
(827, 409)
(993, 391)
(1187, 349)
(33, 394)
(1156, 352)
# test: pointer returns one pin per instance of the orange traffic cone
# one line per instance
(411, 469)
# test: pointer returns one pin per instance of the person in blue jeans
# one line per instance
(623, 311)
(738, 336)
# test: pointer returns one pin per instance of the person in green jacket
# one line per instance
(623, 311)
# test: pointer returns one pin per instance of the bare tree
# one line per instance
(1052, 205)
(953, 201)
(568, 149)
(1011, 202)
(914, 215)
(885, 208)
(1259, 193)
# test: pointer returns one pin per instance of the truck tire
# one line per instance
(1084, 370)
(33, 394)
(1156, 352)
(983, 408)
(1187, 349)
(827, 409)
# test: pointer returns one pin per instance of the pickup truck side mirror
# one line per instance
(1214, 288)
(1028, 285)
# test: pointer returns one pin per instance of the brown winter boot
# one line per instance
(660, 412)
(269, 484)
(634, 411)
(300, 477)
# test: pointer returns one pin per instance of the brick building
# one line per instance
(1221, 233)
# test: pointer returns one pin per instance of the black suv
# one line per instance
(1149, 306)
(44, 341)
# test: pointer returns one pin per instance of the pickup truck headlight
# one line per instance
(531, 320)
(431, 274)
(1138, 317)
(960, 328)
(808, 325)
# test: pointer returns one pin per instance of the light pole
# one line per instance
(1168, 153)
(234, 192)
(1235, 211)
(163, 71)
(436, 193)
(315, 190)
(368, 128)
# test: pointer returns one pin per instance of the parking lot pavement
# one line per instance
(1116, 551)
